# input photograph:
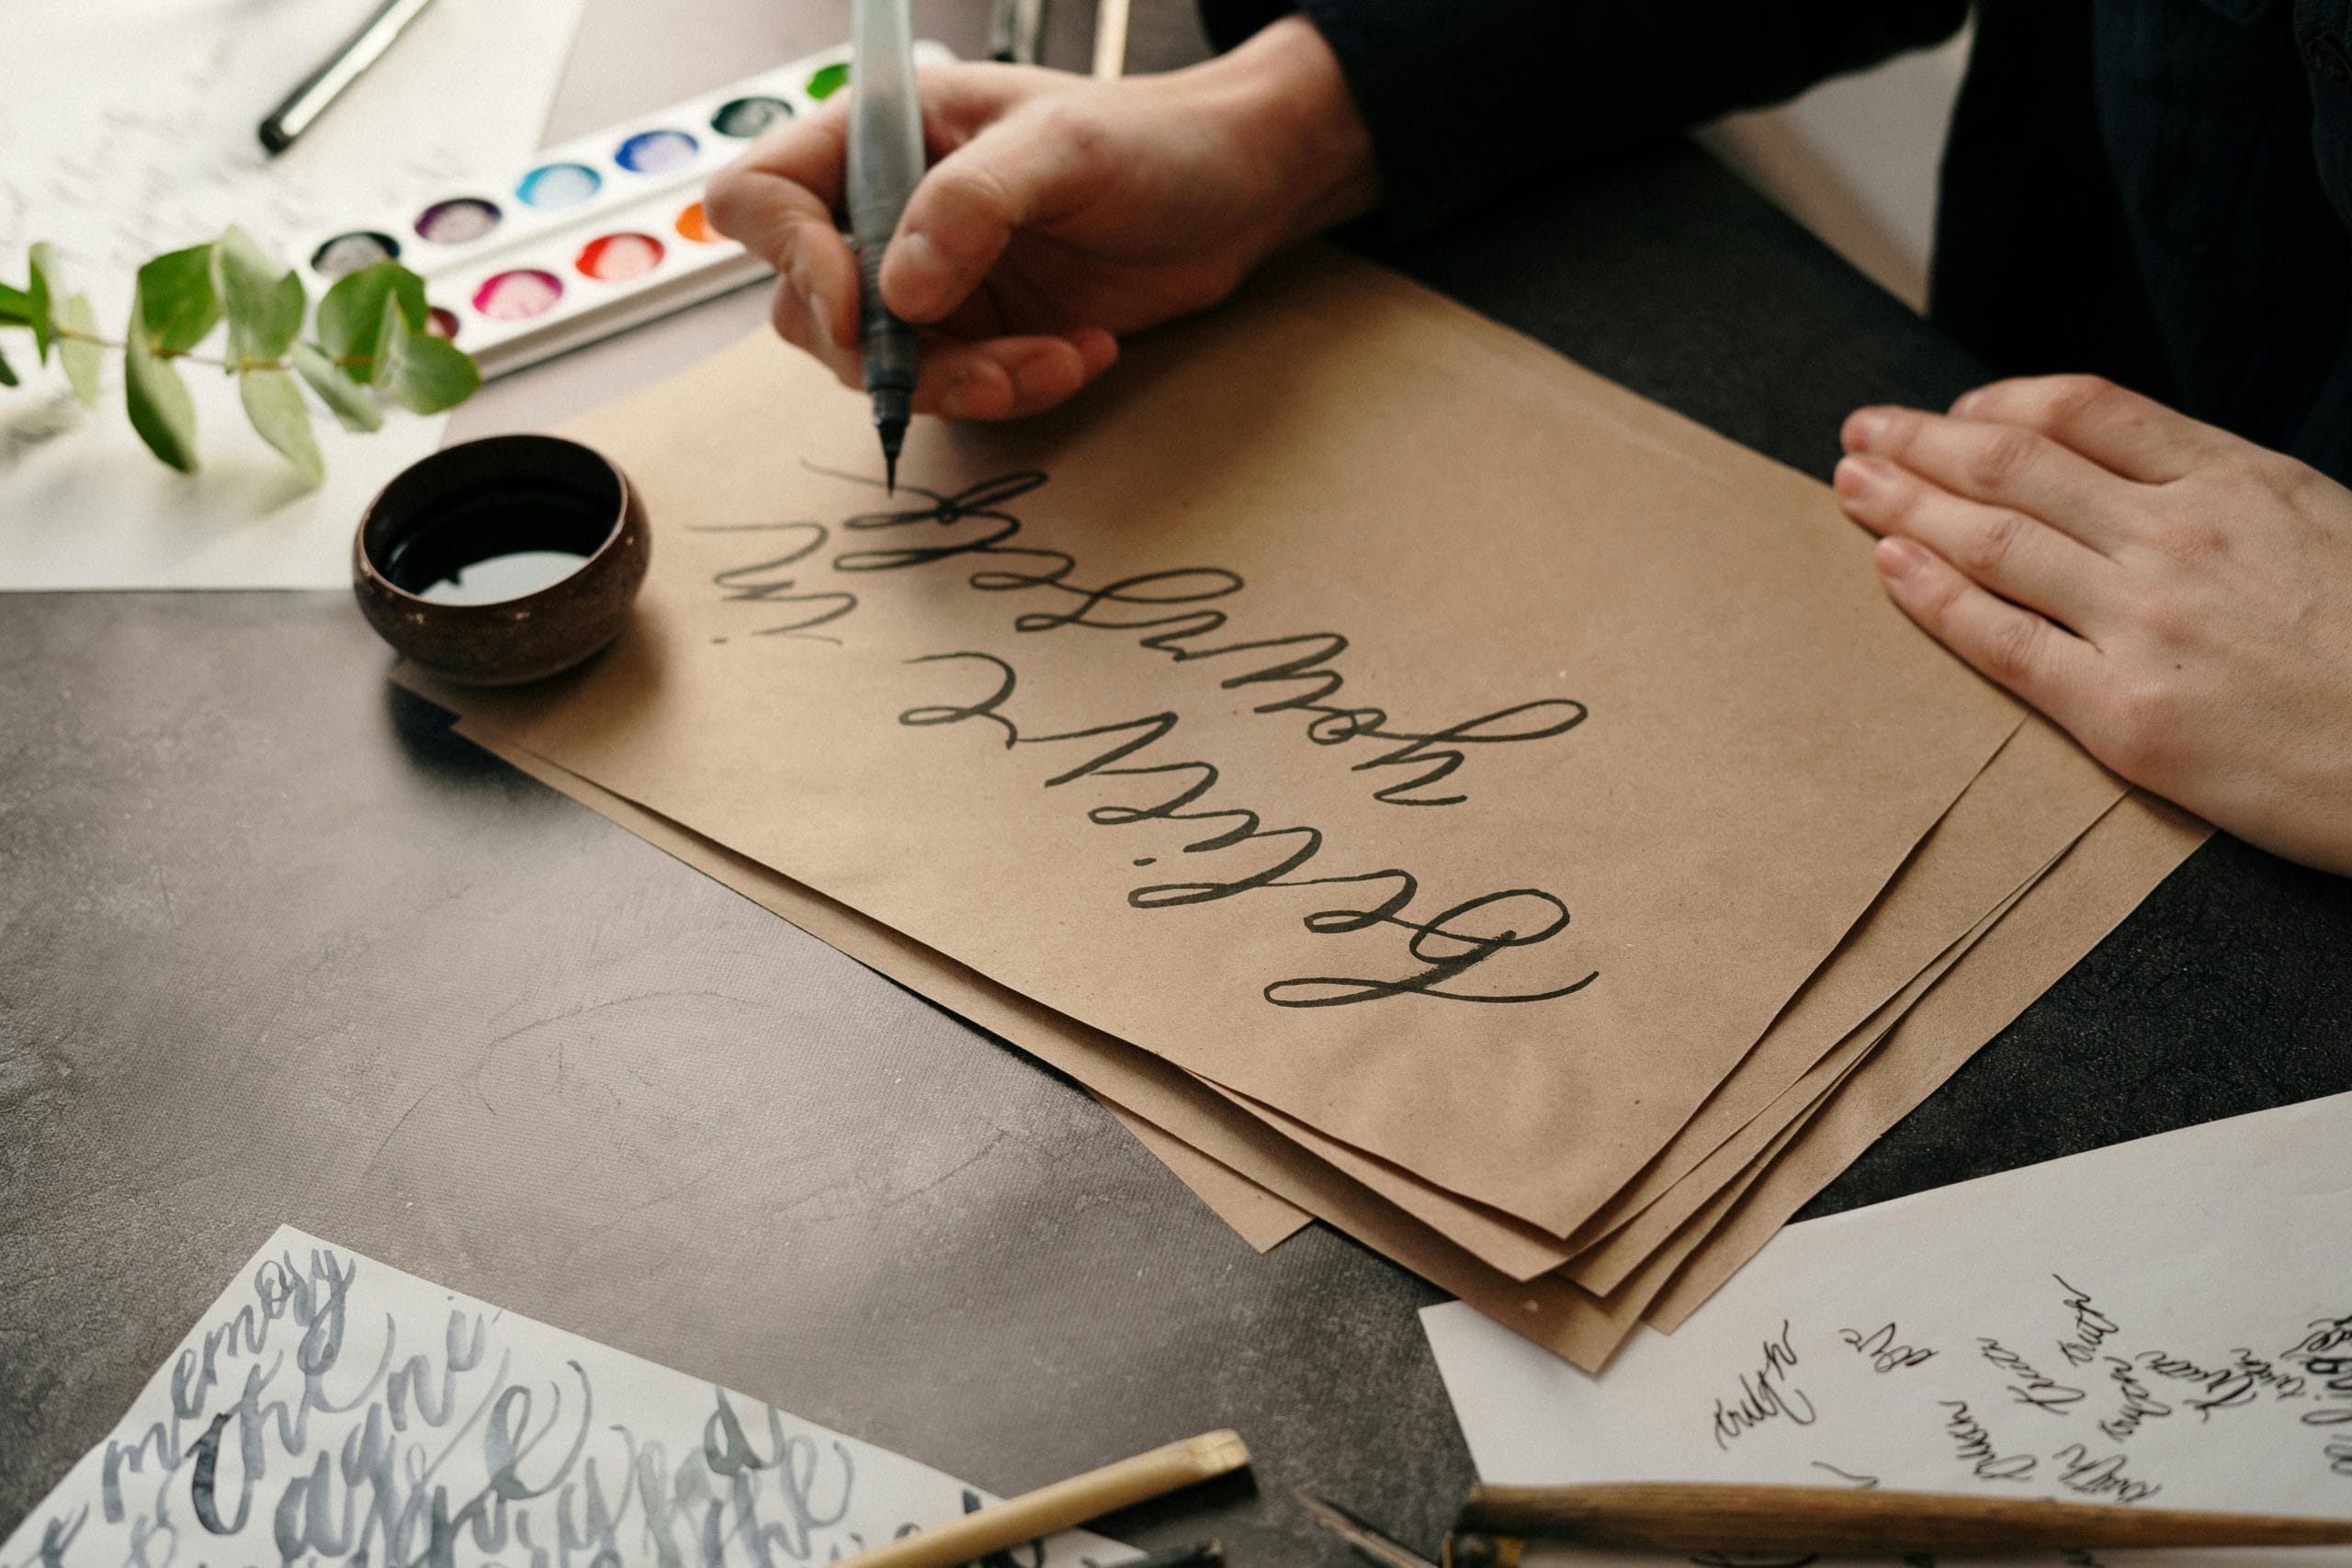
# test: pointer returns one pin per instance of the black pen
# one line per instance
(363, 48)
(885, 162)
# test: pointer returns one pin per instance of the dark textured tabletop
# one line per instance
(276, 948)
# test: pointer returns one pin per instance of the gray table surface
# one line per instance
(275, 947)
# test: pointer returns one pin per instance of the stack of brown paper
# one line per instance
(1415, 783)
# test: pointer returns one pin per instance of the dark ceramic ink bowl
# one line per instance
(503, 561)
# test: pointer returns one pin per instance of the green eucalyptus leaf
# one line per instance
(434, 375)
(15, 306)
(179, 304)
(7, 372)
(279, 415)
(353, 405)
(161, 410)
(283, 322)
(409, 290)
(264, 302)
(84, 360)
(44, 259)
(353, 312)
(394, 335)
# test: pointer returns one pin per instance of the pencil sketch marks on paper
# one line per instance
(1188, 616)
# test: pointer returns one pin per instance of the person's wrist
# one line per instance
(1283, 100)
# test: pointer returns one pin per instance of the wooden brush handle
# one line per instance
(1034, 1514)
(1701, 1516)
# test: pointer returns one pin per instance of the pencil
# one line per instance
(1697, 1517)
(1037, 1514)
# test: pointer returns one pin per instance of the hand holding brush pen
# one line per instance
(1060, 213)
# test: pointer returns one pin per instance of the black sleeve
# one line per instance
(1464, 98)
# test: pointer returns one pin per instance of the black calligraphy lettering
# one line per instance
(1972, 1445)
(1168, 608)
(1765, 1394)
(2091, 1328)
(2033, 1388)
(2092, 1475)
(769, 582)
(1446, 946)
(1880, 1347)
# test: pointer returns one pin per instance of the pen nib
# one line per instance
(894, 436)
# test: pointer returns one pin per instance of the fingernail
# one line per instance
(1857, 477)
(918, 274)
(1865, 430)
(1898, 559)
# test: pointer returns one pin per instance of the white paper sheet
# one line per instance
(129, 126)
(330, 1408)
(2167, 1321)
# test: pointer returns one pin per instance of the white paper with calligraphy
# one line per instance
(129, 131)
(2167, 1321)
(330, 1408)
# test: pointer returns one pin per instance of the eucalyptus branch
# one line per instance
(371, 342)
(63, 334)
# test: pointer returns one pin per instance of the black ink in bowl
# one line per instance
(501, 560)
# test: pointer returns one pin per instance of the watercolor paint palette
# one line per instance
(598, 235)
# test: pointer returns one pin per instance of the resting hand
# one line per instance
(1059, 213)
(2179, 599)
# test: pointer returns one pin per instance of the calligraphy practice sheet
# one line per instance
(2167, 1321)
(1480, 809)
(329, 1405)
(1462, 697)
(129, 126)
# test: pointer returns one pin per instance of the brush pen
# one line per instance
(885, 162)
(322, 86)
